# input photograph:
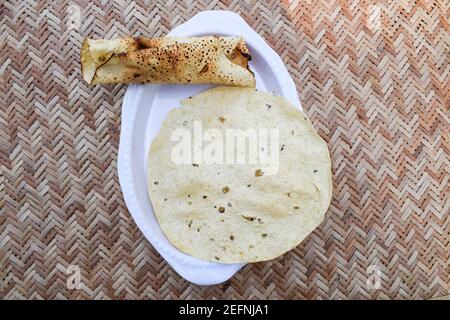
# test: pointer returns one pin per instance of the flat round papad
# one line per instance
(229, 210)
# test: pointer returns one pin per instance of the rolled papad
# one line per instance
(212, 59)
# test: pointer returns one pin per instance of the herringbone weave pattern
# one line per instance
(373, 77)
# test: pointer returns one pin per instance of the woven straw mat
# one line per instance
(372, 76)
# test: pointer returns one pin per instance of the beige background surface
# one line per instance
(372, 76)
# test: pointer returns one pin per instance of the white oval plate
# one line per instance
(143, 111)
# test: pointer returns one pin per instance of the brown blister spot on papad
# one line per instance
(142, 43)
(248, 218)
(205, 68)
(238, 58)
